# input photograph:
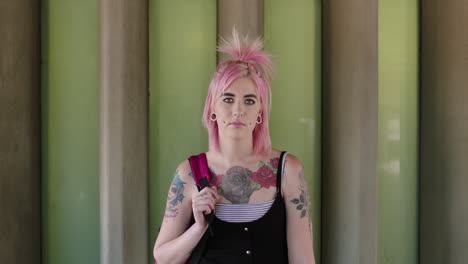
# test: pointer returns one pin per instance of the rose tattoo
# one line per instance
(238, 185)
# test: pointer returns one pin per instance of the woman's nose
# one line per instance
(238, 114)
(237, 111)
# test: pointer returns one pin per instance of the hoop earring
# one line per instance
(259, 119)
(213, 118)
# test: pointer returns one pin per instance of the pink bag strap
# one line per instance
(200, 170)
(203, 165)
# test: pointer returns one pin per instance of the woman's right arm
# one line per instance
(177, 238)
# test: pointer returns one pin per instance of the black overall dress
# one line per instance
(259, 241)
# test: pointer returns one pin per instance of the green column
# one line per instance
(182, 57)
(398, 132)
(292, 35)
(70, 118)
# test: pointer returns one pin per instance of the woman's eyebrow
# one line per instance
(245, 96)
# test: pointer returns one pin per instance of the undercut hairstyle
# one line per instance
(249, 60)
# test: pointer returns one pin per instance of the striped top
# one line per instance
(242, 212)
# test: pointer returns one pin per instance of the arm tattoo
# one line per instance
(302, 202)
(175, 196)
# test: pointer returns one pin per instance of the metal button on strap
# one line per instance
(247, 252)
(246, 229)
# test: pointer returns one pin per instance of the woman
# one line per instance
(258, 194)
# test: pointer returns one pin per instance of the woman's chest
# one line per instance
(243, 185)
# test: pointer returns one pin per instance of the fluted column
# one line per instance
(444, 132)
(20, 182)
(123, 135)
(350, 100)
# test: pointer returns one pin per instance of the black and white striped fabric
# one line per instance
(243, 212)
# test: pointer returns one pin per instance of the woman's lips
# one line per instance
(237, 124)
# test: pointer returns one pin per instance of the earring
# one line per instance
(259, 119)
(213, 118)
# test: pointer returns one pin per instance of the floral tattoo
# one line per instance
(175, 196)
(266, 175)
(239, 183)
(302, 202)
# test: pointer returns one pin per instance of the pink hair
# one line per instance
(249, 61)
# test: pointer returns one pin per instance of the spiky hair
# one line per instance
(246, 50)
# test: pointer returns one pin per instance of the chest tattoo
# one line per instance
(238, 184)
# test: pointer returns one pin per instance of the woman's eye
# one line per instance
(228, 100)
(249, 101)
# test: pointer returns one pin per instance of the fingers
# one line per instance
(205, 201)
(211, 190)
(203, 208)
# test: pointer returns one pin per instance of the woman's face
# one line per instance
(237, 109)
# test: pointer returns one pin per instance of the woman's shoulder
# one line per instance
(185, 171)
(291, 163)
(293, 173)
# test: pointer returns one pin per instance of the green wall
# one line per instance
(182, 57)
(70, 132)
(398, 132)
(293, 36)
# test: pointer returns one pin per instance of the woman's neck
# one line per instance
(235, 150)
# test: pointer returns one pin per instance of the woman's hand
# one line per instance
(203, 203)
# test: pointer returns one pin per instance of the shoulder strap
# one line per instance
(205, 174)
(200, 171)
(279, 172)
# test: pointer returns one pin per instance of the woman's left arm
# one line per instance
(298, 212)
